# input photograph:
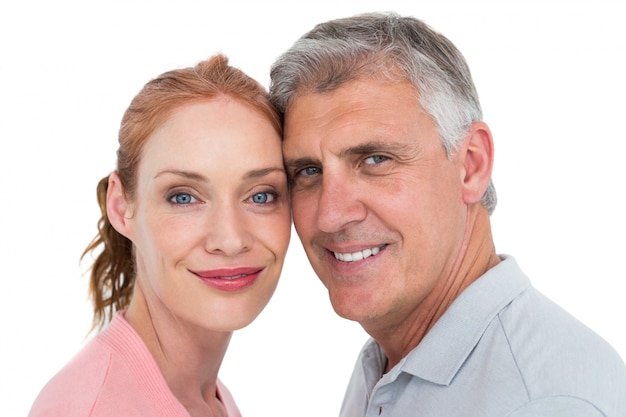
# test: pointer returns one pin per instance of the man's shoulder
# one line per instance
(560, 360)
(532, 322)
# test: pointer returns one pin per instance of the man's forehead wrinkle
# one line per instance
(380, 137)
(342, 125)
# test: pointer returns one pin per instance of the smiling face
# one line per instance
(210, 221)
(376, 201)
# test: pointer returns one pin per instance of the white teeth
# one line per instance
(356, 256)
(233, 277)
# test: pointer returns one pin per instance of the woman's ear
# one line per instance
(118, 209)
(477, 162)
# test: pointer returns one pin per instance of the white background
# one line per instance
(551, 79)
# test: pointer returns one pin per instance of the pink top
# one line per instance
(114, 375)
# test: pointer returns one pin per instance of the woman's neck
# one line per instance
(188, 356)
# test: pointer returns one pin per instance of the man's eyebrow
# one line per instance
(376, 146)
(360, 149)
(300, 162)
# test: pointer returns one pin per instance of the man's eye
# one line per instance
(375, 159)
(182, 198)
(308, 171)
(263, 198)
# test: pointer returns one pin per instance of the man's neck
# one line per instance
(476, 256)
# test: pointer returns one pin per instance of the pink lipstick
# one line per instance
(229, 279)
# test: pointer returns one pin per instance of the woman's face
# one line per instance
(210, 221)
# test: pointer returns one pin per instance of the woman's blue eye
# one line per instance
(262, 198)
(182, 198)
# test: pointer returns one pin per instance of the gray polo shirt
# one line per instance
(501, 349)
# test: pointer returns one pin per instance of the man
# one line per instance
(390, 167)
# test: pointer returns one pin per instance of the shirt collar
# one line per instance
(444, 349)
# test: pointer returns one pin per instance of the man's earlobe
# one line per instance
(477, 154)
(118, 209)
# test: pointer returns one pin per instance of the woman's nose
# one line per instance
(228, 232)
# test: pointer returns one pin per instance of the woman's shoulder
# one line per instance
(82, 385)
(114, 374)
(75, 388)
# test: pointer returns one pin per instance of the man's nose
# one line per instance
(340, 202)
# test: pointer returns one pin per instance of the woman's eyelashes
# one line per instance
(263, 197)
(182, 198)
(185, 198)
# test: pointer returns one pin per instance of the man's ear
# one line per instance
(118, 209)
(477, 162)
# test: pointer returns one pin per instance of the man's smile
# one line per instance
(359, 255)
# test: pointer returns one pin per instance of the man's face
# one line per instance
(376, 201)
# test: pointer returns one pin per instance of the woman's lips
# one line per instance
(229, 279)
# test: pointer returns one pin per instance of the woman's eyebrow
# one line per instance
(257, 173)
(182, 173)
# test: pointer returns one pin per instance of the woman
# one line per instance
(194, 229)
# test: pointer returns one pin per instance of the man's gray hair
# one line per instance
(384, 45)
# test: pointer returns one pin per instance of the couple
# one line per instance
(372, 138)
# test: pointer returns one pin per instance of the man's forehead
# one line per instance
(360, 91)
